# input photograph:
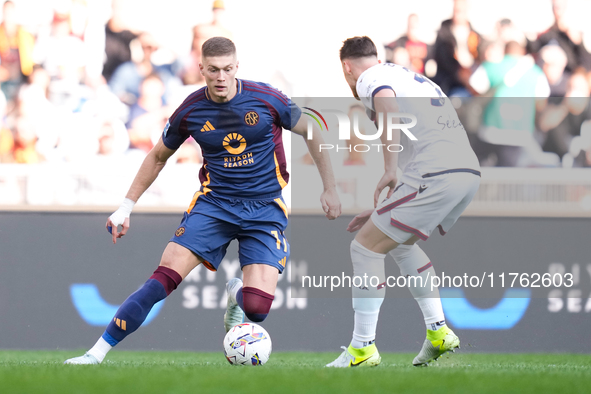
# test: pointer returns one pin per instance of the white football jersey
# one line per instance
(442, 143)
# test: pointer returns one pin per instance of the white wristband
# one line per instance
(127, 206)
(119, 216)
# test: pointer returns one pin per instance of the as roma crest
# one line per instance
(251, 118)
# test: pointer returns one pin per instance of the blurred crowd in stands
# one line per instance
(524, 103)
(79, 89)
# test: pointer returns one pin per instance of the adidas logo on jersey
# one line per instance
(207, 127)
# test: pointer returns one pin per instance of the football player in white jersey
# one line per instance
(440, 175)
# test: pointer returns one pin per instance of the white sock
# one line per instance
(413, 262)
(364, 332)
(436, 326)
(367, 298)
(234, 292)
(100, 349)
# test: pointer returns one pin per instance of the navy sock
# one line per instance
(240, 298)
(135, 308)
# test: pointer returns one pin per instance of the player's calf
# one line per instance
(135, 309)
(369, 296)
(132, 313)
(418, 269)
(255, 303)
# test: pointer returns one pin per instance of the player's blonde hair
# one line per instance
(218, 46)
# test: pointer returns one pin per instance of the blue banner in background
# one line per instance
(60, 292)
(94, 310)
(503, 316)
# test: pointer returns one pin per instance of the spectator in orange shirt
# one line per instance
(25, 143)
(417, 50)
(6, 137)
(16, 52)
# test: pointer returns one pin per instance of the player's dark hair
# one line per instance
(357, 47)
(218, 46)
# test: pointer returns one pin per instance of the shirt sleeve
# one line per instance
(175, 132)
(294, 117)
(369, 85)
(288, 112)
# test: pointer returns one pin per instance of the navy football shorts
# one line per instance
(213, 222)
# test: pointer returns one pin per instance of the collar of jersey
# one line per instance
(238, 91)
(362, 75)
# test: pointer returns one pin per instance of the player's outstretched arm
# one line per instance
(148, 172)
(384, 103)
(331, 204)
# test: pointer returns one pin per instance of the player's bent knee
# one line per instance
(374, 239)
(256, 303)
(179, 259)
(168, 277)
(366, 262)
(411, 259)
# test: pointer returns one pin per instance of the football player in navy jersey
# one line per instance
(238, 125)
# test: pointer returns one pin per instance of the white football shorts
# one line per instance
(437, 203)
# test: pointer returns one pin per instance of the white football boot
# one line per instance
(86, 359)
(351, 357)
(234, 314)
(436, 344)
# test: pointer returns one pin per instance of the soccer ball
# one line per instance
(247, 344)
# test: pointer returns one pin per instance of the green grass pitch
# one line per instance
(183, 372)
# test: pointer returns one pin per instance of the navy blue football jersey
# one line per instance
(243, 154)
